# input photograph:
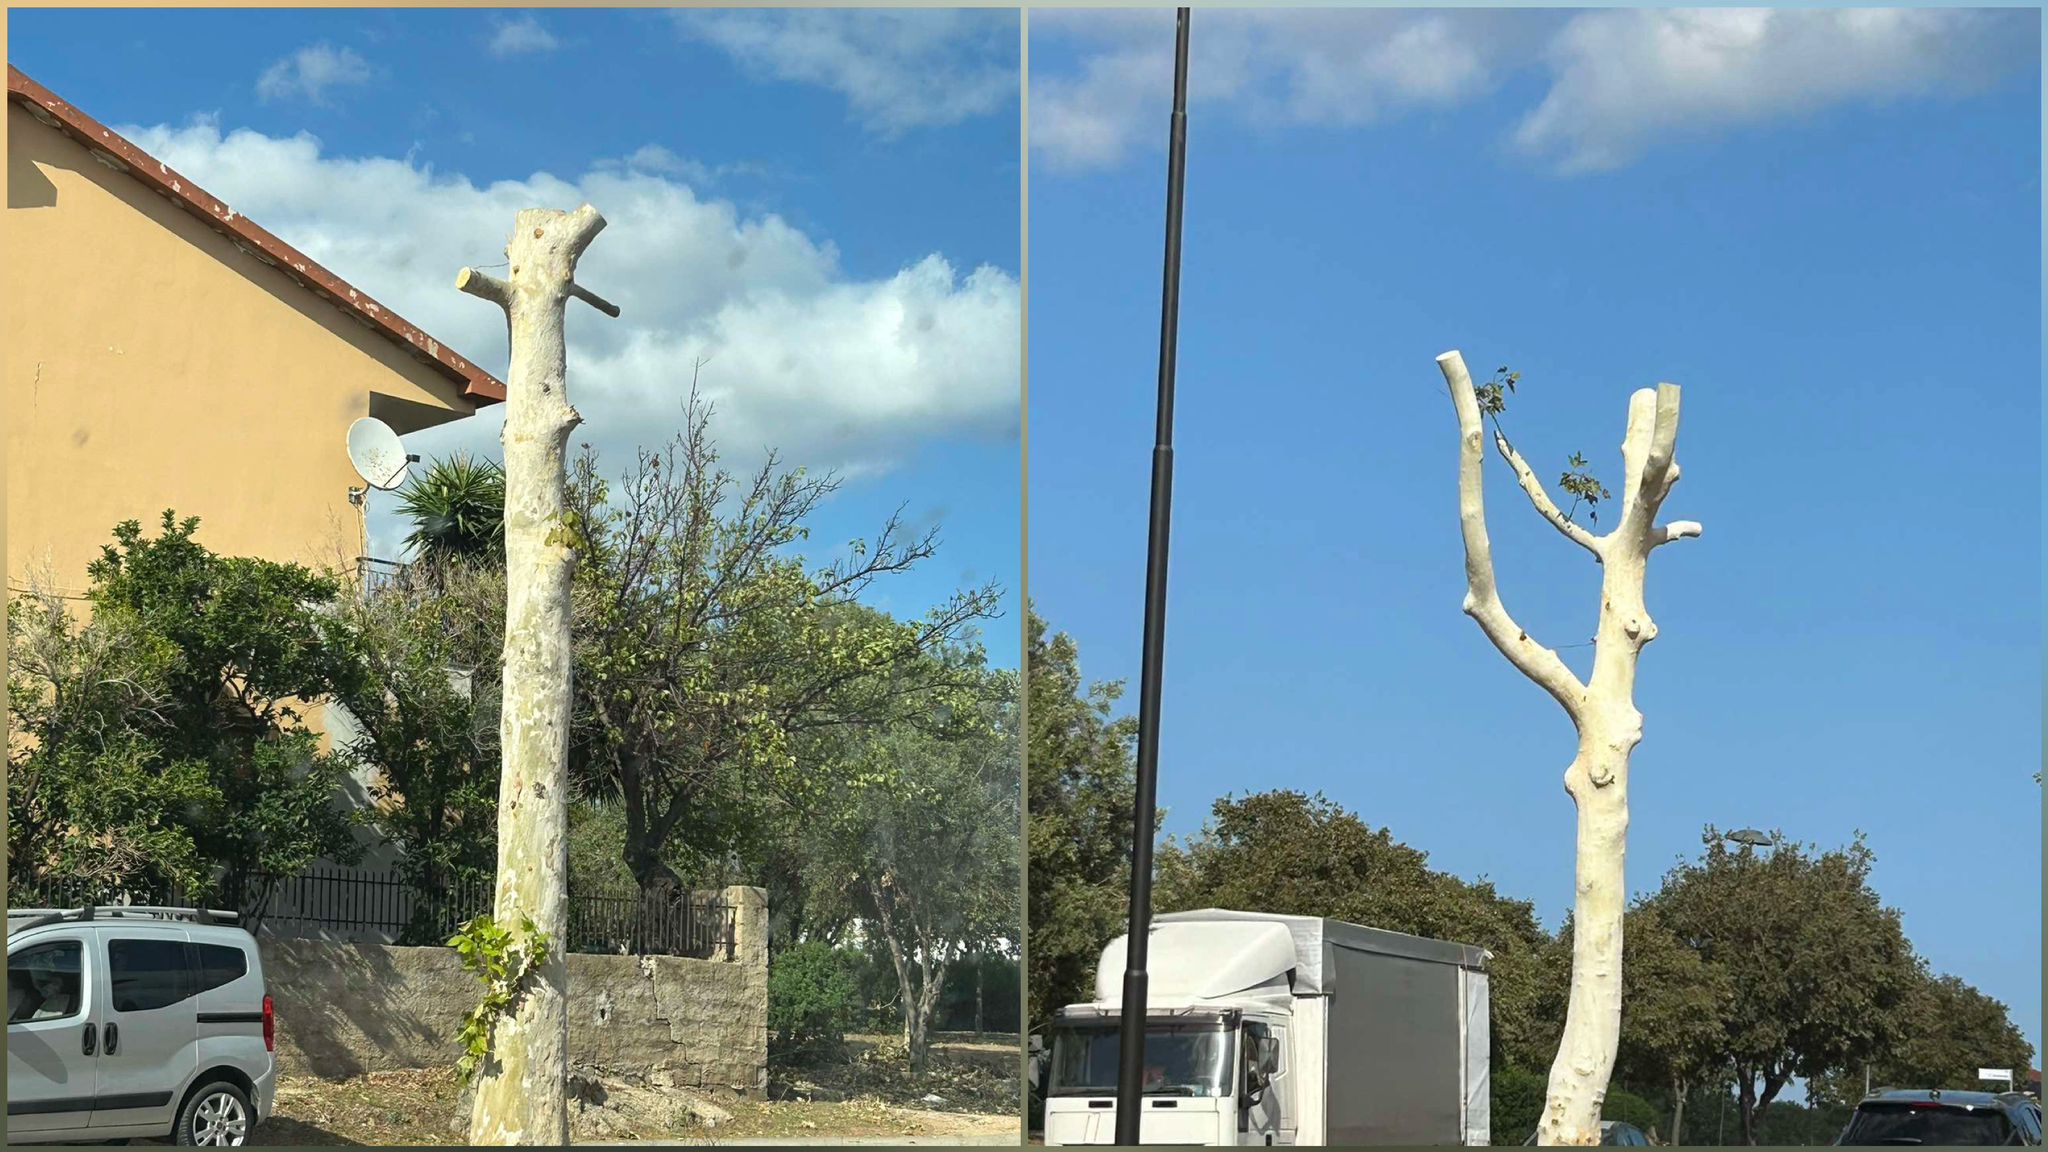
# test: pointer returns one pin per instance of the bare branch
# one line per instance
(1574, 532)
(1482, 598)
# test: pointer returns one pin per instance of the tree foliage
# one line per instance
(812, 1001)
(1947, 1031)
(1820, 965)
(923, 833)
(1294, 854)
(706, 649)
(160, 744)
(1081, 780)
(457, 509)
(424, 702)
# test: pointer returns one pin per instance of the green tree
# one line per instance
(425, 706)
(706, 650)
(1081, 781)
(1818, 966)
(165, 737)
(457, 509)
(924, 834)
(1947, 1031)
(1304, 855)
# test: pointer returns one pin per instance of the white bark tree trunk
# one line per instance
(521, 1090)
(1602, 710)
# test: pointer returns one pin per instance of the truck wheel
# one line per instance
(217, 1115)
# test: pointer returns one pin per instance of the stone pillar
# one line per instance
(750, 951)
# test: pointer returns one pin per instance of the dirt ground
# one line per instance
(969, 1091)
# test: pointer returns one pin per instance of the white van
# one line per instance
(126, 1022)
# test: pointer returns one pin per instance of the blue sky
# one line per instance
(823, 203)
(1824, 226)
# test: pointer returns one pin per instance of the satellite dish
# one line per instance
(380, 459)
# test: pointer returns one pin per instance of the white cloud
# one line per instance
(833, 370)
(1327, 66)
(898, 68)
(656, 159)
(1618, 79)
(311, 72)
(1624, 78)
(521, 37)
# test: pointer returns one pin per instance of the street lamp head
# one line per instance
(1750, 837)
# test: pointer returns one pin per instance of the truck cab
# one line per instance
(1212, 1077)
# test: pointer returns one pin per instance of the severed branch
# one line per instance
(1482, 598)
(1574, 532)
(594, 300)
(484, 286)
(488, 287)
(1676, 530)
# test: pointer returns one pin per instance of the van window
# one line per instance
(218, 964)
(148, 973)
(44, 982)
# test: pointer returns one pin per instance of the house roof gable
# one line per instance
(110, 147)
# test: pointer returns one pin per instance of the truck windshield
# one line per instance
(1181, 1059)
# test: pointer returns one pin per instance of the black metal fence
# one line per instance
(374, 575)
(391, 908)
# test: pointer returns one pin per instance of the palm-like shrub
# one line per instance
(457, 509)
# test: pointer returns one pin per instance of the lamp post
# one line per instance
(1130, 1079)
(1750, 839)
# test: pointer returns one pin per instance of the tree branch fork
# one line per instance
(1650, 472)
(582, 226)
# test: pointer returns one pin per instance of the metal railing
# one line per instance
(325, 901)
(374, 575)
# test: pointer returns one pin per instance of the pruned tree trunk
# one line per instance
(521, 1090)
(1602, 710)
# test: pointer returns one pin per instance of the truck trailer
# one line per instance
(1268, 1029)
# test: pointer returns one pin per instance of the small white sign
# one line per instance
(2004, 1074)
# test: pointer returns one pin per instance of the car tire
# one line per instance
(216, 1115)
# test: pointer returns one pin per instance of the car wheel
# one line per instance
(217, 1115)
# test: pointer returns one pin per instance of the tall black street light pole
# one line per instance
(1131, 1055)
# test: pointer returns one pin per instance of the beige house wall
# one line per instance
(152, 363)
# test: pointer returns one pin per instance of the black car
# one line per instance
(1934, 1116)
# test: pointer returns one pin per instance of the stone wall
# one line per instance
(346, 1009)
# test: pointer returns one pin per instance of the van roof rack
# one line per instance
(38, 917)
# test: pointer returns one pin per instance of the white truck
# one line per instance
(1266, 1029)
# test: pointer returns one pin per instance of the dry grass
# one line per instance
(870, 1094)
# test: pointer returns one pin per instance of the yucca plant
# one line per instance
(457, 509)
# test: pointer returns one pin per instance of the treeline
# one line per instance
(1745, 969)
(740, 716)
